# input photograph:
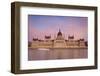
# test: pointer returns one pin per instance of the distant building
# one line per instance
(58, 42)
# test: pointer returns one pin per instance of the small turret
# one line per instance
(70, 37)
(47, 37)
(35, 39)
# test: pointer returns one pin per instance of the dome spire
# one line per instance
(59, 33)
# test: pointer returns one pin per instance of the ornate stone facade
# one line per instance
(58, 42)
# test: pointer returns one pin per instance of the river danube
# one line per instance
(52, 54)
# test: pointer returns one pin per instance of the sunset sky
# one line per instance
(41, 25)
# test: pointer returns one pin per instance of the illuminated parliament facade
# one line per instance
(58, 42)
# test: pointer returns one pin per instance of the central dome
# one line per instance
(59, 33)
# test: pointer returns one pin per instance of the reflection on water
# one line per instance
(37, 54)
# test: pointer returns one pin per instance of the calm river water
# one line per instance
(50, 54)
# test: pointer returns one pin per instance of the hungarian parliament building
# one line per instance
(58, 42)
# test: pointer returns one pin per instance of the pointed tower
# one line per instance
(59, 33)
